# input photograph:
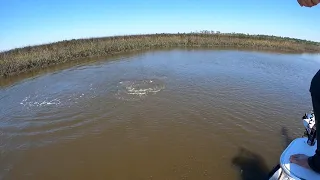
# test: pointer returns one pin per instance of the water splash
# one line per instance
(138, 89)
(41, 99)
(31, 102)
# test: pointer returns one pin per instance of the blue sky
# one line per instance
(30, 22)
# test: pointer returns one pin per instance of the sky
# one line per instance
(32, 22)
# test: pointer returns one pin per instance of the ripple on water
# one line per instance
(46, 116)
(138, 89)
(211, 99)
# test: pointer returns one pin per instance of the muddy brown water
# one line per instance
(171, 114)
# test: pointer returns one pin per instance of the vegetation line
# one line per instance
(32, 57)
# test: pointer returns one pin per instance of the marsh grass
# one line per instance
(32, 57)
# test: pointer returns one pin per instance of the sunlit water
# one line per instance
(179, 114)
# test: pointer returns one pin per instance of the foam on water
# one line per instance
(138, 89)
(27, 101)
(40, 99)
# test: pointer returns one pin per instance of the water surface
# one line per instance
(178, 114)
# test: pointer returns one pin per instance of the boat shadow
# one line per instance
(252, 166)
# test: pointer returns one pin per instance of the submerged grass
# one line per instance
(32, 57)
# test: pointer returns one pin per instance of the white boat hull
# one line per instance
(288, 171)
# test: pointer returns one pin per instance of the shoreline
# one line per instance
(20, 60)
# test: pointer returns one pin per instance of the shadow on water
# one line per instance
(253, 166)
(286, 138)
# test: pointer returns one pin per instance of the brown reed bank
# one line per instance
(32, 57)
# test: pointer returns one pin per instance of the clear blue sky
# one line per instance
(29, 22)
